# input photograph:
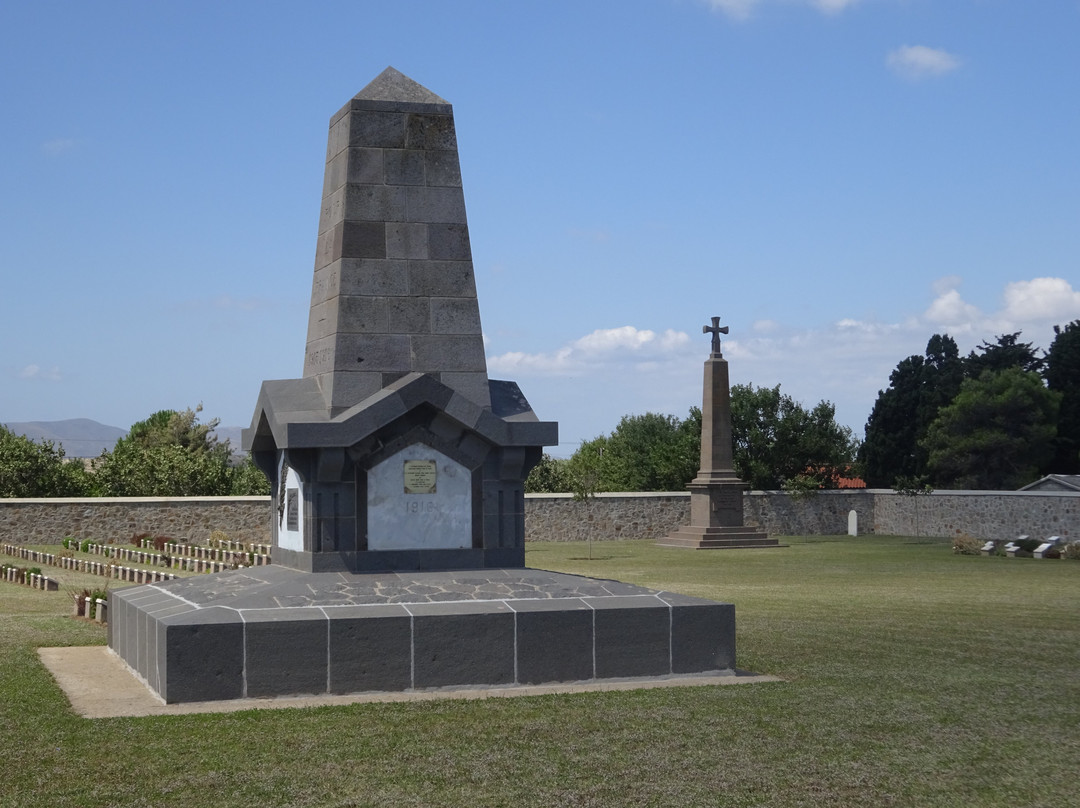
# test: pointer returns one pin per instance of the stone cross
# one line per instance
(716, 330)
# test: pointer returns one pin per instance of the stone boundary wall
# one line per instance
(191, 519)
(982, 514)
(558, 517)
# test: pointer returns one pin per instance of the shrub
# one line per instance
(966, 544)
(79, 597)
(1028, 545)
(1071, 550)
(84, 545)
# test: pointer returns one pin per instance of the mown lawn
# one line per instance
(913, 676)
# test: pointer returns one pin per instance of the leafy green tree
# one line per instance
(248, 480)
(1062, 373)
(650, 452)
(550, 476)
(1007, 352)
(171, 454)
(30, 469)
(996, 434)
(778, 442)
(918, 388)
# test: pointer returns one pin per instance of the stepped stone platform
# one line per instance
(274, 631)
(706, 538)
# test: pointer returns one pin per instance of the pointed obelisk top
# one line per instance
(393, 85)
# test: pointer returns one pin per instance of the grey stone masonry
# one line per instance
(395, 450)
(271, 631)
(394, 289)
(716, 493)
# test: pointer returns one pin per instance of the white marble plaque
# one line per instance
(290, 533)
(419, 499)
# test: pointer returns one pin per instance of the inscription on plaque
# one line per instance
(292, 509)
(419, 499)
(420, 476)
(726, 500)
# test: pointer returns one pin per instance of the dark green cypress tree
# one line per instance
(1062, 374)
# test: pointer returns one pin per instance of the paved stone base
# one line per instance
(99, 685)
(272, 631)
(716, 538)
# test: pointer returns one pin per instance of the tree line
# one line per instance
(999, 418)
(170, 454)
(776, 442)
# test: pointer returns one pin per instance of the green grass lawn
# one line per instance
(914, 677)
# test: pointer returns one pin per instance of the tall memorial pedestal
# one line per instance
(397, 472)
(716, 494)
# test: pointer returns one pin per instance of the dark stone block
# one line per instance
(404, 167)
(554, 641)
(443, 168)
(431, 132)
(285, 651)
(370, 648)
(361, 240)
(384, 130)
(203, 656)
(449, 242)
(632, 636)
(462, 644)
(504, 557)
(702, 634)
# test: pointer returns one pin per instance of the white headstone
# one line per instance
(852, 523)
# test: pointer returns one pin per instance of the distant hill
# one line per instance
(82, 437)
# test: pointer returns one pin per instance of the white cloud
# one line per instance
(1042, 299)
(949, 312)
(37, 372)
(590, 382)
(832, 6)
(742, 9)
(605, 346)
(946, 284)
(736, 9)
(58, 145)
(920, 62)
(1037, 304)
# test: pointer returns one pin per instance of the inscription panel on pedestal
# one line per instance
(419, 499)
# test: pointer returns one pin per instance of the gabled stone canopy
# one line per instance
(288, 415)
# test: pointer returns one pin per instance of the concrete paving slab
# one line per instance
(99, 685)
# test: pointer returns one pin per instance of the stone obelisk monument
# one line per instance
(397, 473)
(716, 494)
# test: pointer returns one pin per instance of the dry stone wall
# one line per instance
(191, 519)
(982, 514)
(558, 517)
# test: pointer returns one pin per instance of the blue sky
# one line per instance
(838, 179)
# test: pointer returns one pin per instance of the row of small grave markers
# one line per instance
(30, 579)
(240, 556)
(1048, 549)
(123, 573)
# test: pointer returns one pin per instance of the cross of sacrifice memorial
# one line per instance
(397, 469)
